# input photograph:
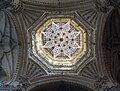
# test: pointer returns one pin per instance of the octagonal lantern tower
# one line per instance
(60, 44)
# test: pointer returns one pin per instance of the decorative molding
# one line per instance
(102, 5)
(13, 6)
(114, 88)
(55, 69)
(19, 85)
(58, 5)
(32, 71)
(17, 6)
(6, 87)
(101, 83)
(80, 81)
(89, 14)
(4, 4)
(115, 3)
(105, 5)
(92, 71)
(28, 15)
(22, 83)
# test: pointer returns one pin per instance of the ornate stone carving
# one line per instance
(23, 83)
(29, 15)
(63, 62)
(4, 4)
(101, 83)
(17, 6)
(89, 13)
(20, 85)
(11, 5)
(65, 33)
(31, 73)
(104, 5)
(114, 88)
(6, 87)
(115, 3)
(58, 6)
(93, 72)
(60, 43)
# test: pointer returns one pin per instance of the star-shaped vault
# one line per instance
(61, 39)
(60, 43)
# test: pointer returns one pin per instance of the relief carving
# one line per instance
(114, 88)
(104, 5)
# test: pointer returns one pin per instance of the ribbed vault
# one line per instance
(25, 69)
(111, 44)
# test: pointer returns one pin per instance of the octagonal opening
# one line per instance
(61, 42)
